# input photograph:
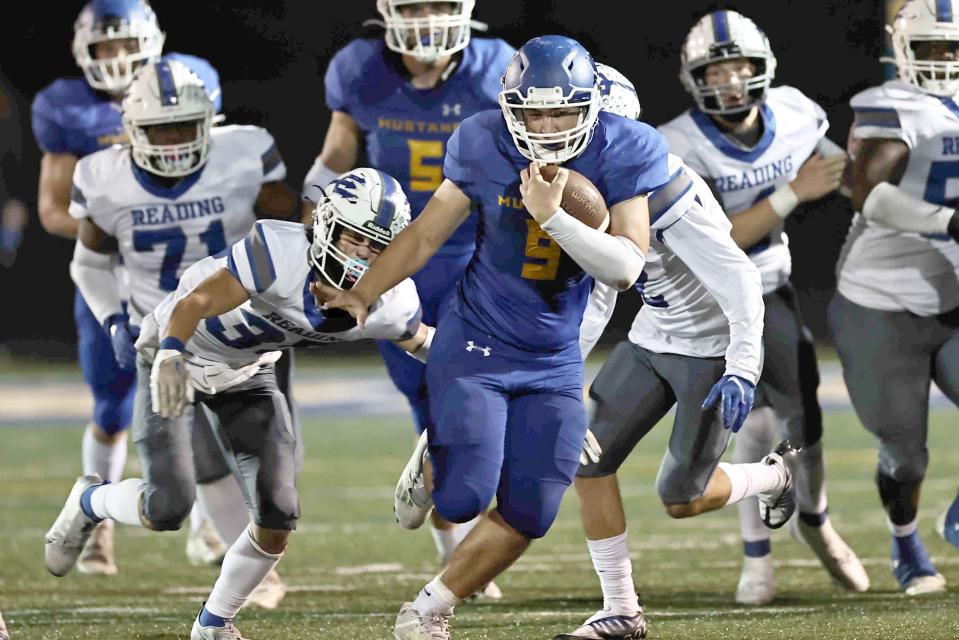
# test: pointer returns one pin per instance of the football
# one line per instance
(581, 198)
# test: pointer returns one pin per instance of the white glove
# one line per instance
(170, 388)
(591, 449)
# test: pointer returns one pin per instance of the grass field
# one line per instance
(350, 566)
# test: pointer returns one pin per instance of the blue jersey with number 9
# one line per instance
(406, 128)
(520, 286)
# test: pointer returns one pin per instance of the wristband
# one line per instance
(172, 343)
(783, 201)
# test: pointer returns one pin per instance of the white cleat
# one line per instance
(269, 593)
(97, 555)
(4, 634)
(412, 501)
(923, 585)
(70, 531)
(777, 506)
(226, 632)
(204, 547)
(607, 624)
(410, 625)
(836, 556)
(756, 583)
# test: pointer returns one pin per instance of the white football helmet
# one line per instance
(926, 21)
(167, 92)
(720, 36)
(619, 94)
(365, 201)
(102, 20)
(430, 37)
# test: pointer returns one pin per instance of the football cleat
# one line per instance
(4, 634)
(269, 593)
(777, 506)
(412, 501)
(756, 584)
(912, 568)
(204, 546)
(410, 625)
(97, 554)
(836, 556)
(226, 632)
(608, 625)
(947, 525)
(70, 531)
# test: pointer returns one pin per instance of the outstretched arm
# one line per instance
(216, 295)
(53, 200)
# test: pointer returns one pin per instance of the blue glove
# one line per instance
(122, 337)
(737, 394)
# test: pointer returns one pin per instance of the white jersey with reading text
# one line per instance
(702, 296)
(271, 263)
(792, 127)
(889, 270)
(163, 230)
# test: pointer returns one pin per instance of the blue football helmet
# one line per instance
(619, 94)
(551, 72)
(102, 20)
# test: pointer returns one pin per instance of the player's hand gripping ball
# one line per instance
(581, 199)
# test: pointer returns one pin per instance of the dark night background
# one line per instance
(272, 55)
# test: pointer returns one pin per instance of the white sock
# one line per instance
(615, 570)
(120, 501)
(244, 567)
(435, 597)
(223, 500)
(903, 530)
(197, 516)
(105, 460)
(446, 542)
(752, 442)
(747, 480)
(460, 531)
(811, 480)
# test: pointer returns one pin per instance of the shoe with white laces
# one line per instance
(777, 506)
(70, 531)
(97, 555)
(269, 593)
(226, 632)
(836, 556)
(756, 583)
(411, 625)
(412, 501)
(204, 547)
(606, 624)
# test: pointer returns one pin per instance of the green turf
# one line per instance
(351, 567)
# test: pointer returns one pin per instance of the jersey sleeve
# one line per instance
(259, 263)
(701, 239)
(81, 189)
(396, 315)
(50, 135)
(337, 80)
(681, 145)
(456, 165)
(877, 114)
(648, 173)
(668, 203)
(274, 169)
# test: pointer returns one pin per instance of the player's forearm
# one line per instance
(215, 296)
(599, 309)
(891, 207)
(754, 224)
(93, 274)
(404, 256)
(56, 220)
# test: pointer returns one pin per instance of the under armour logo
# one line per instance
(451, 109)
(470, 346)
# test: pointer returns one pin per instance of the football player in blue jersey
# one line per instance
(505, 374)
(73, 117)
(400, 98)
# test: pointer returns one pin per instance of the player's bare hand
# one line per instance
(818, 176)
(332, 298)
(540, 197)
